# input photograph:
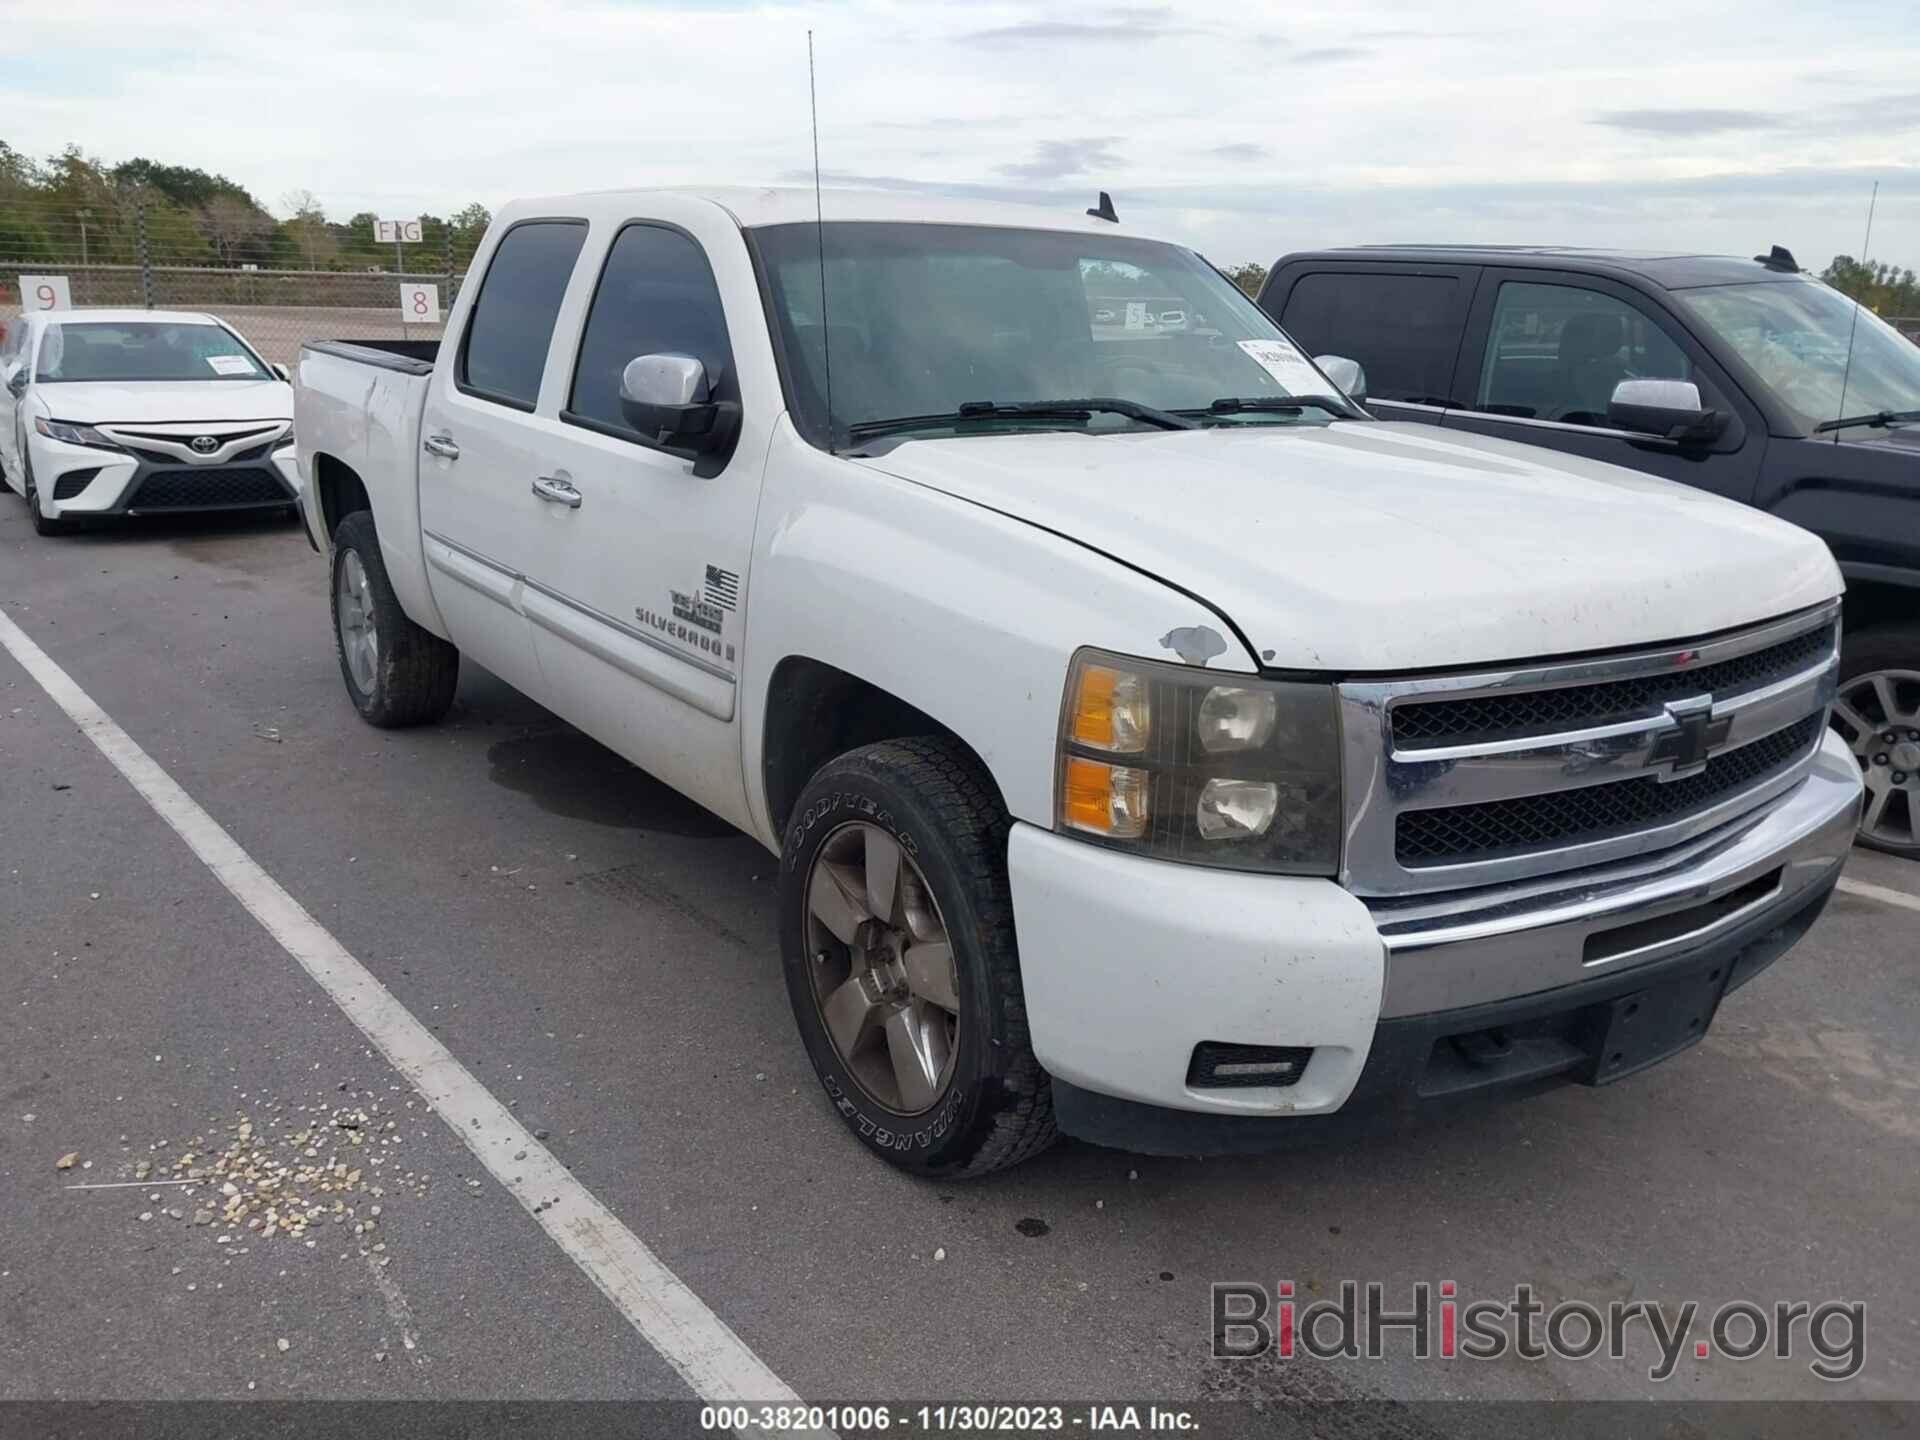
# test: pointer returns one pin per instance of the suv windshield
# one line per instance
(144, 350)
(1793, 334)
(927, 319)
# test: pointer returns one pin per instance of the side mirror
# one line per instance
(17, 382)
(283, 372)
(668, 399)
(1669, 409)
(1345, 373)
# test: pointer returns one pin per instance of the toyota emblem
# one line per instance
(203, 444)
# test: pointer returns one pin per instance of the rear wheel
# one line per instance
(397, 673)
(897, 938)
(1878, 714)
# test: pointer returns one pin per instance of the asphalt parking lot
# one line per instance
(601, 955)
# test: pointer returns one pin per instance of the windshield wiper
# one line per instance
(1278, 405)
(1877, 417)
(1025, 410)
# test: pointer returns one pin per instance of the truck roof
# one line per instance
(1668, 269)
(753, 206)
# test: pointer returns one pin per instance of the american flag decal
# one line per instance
(722, 588)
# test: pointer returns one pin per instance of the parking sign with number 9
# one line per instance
(45, 292)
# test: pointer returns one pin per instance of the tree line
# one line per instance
(72, 206)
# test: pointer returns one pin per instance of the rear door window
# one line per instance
(1403, 329)
(656, 297)
(504, 350)
(1555, 352)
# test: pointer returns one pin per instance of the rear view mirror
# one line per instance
(1669, 409)
(668, 399)
(1347, 374)
(17, 382)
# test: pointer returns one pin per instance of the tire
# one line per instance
(1874, 664)
(410, 676)
(42, 525)
(993, 1105)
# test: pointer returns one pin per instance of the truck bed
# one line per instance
(409, 357)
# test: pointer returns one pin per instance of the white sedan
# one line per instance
(139, 412)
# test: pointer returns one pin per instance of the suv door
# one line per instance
(639, 593)
(482, 445)
(1544, 351)
(1402, 322)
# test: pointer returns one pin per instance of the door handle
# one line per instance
(440, 443)
(557, 490)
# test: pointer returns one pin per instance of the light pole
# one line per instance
(85, 215)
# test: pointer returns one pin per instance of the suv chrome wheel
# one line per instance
(882, 968)
(1878, 715)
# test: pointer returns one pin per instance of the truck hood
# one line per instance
(1383, 546)
(98, 402)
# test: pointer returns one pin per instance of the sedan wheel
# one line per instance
(1878, 715)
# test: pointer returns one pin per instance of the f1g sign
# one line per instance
(397, 232)
(45, 292)
(419, 304)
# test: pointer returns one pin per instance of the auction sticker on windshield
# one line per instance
(1285, 364)
(230, 364)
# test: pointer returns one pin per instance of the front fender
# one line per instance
(967, 614)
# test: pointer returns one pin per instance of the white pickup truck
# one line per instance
(1157, 749)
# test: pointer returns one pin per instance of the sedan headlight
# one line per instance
(1200, 766)
(72, 434)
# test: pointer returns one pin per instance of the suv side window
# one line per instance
(504, 350)
(1555, 352)
(1403, 329)
(656, 296)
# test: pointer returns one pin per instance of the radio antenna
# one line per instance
(820, 245)
(1846, 372)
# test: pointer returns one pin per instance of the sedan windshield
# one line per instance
(1794, 335)
(120, 350)
(959, 329)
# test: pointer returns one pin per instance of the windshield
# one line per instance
(1794, 336)
(144, 350)
(926, 319)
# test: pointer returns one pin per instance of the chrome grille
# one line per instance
(1596, 812)
(1426, 724)
(1457, 781)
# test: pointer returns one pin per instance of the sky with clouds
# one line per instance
(1245, 130)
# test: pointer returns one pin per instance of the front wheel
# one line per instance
(897, 939)
(397, 673)
(1877, 713)
(42, 523)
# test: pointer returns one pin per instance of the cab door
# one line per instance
(1544, 351)
(638, 583)
(483, 442)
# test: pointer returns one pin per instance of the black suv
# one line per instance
(1720, 372)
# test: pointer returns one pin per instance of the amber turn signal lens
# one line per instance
(1108, 800)
(1110, 710)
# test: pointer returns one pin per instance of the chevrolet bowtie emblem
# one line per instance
(1685, 749)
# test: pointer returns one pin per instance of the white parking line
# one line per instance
(1880, 893)
(714, 1362)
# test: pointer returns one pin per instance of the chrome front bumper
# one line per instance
(1492, 943)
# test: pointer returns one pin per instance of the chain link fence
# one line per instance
(307, 280)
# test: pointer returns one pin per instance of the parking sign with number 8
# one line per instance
(419, 304)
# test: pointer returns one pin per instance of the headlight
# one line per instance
(1200, 766)
(72, 434)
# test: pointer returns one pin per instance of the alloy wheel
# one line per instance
(882, 968)
(1878, 715)
(359, 641)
